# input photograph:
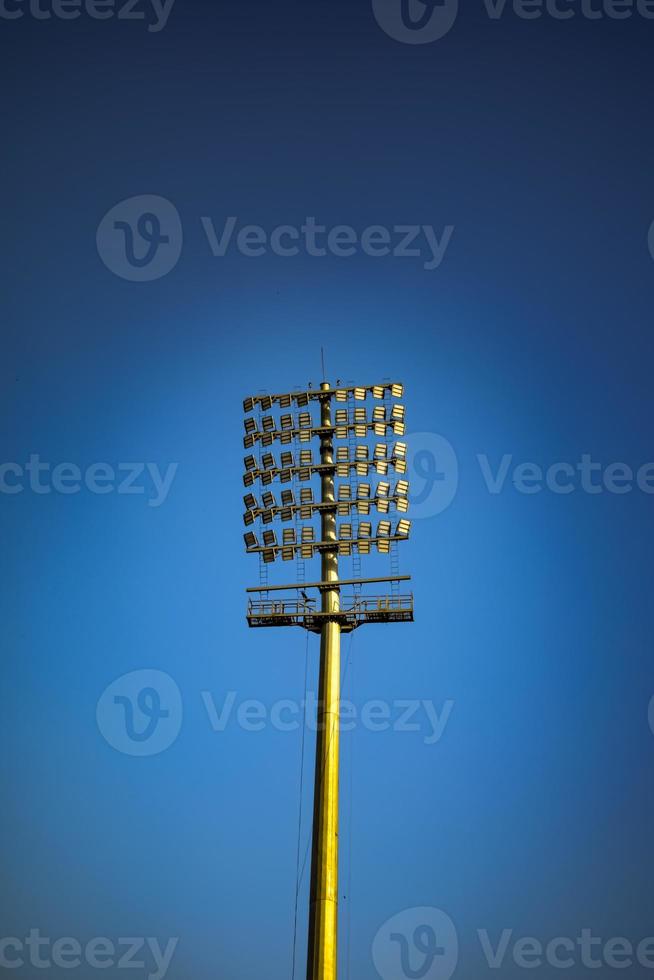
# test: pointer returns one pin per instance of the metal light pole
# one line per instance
(323, 907)
(337, 614)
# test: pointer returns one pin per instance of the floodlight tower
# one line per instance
(335, 616)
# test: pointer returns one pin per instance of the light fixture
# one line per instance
(306, 547)
(306, 503)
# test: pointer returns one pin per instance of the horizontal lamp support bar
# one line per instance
(351, 503)
(253, 437)
(321, 393)
(330, 585)
(326, 545)
(251, 475)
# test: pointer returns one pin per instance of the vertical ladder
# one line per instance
(354, 485)
(300, 567)
(394, 550)
(263, 567)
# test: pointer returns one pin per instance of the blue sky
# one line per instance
(531, 339)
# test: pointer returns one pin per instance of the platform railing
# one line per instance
(354, 611)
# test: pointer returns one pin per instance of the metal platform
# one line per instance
(355, 611)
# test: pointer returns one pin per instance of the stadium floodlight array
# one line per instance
(356, 453)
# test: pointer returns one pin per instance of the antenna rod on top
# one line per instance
(322, 359)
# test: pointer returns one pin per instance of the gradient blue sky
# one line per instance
(533, 338)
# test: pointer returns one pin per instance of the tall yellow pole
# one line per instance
(323, 910)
